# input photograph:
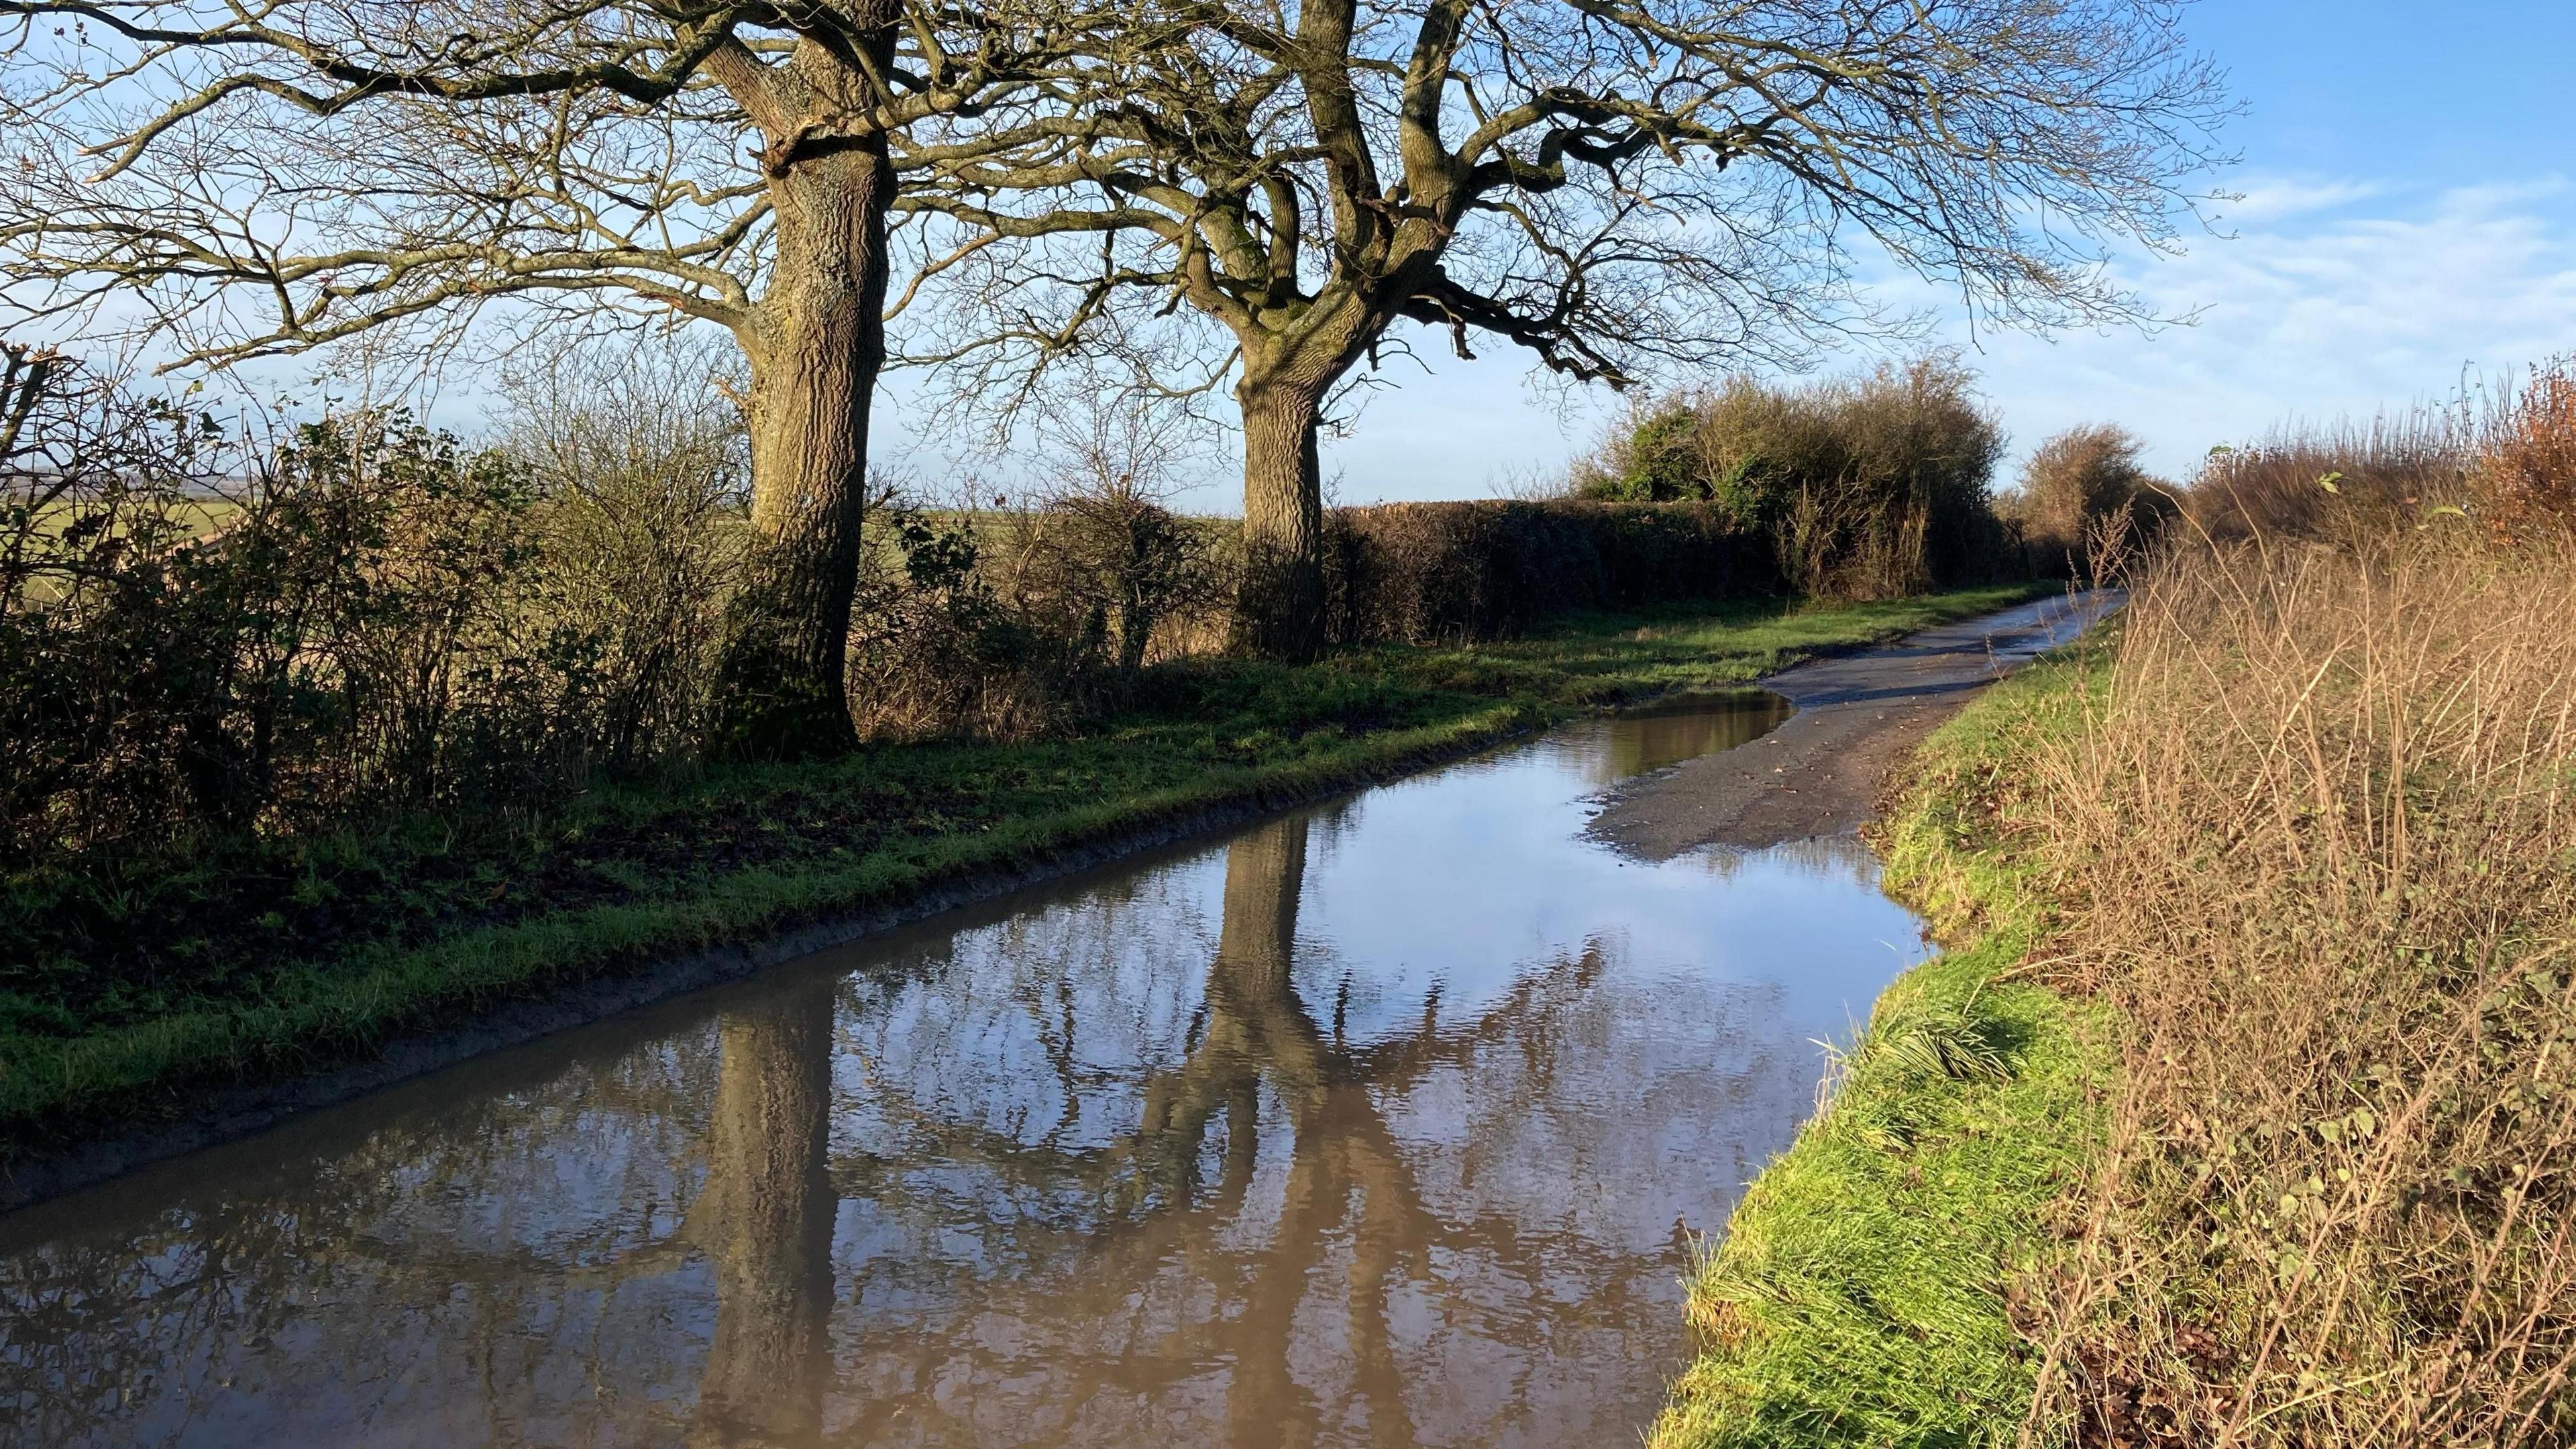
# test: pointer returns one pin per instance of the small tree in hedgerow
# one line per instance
(2084, 492)
(241, 180)
(1617, 186)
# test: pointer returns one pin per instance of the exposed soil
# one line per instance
(1858, 715)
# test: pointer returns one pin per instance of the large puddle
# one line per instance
(1390, 1122)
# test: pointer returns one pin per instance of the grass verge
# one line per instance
(1864, 1292)
(128, 986)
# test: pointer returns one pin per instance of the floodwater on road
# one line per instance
(1389, 1122)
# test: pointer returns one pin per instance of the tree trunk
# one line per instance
(765, 1220)
(1265, 872)
(1279, 612)
(817, 343)
(1255, 1023)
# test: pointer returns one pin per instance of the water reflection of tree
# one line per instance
(353, 1247)
(764, 1221)
(1346, 1174)
(1259, 1193)
(1172, 1199)
(172, 1324)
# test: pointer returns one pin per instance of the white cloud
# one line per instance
(2333, 312)
(2277, 198)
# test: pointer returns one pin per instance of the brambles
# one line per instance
(1007, 618)
(1098, 545)
(2528, 468)
(934, 651)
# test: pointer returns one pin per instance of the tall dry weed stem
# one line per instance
(2319, 843)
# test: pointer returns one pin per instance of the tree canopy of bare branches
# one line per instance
(265, 177)
(1617, 186)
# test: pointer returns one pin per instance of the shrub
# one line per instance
(2526, 471)
(644, 476)
(2084, 496)
(1022, 617)
(208, 630)
(934, 651)
(96, 495)
(1654, 456)
(200, 632)
(1097, 557)
(2507, 463)
(1866, 487)
(2351, 483)
(1013, 622)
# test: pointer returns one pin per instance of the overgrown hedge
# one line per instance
(1418, 573)
(1870, 486)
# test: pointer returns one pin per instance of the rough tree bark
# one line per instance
(1291, 359)
(816, 342)
(1265, 873)
(1279, 611)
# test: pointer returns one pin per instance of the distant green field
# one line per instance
(200, 515)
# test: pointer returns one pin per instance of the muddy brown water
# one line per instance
(1389, 1122)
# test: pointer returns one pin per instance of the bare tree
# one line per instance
(268, 176)
(1618, 186)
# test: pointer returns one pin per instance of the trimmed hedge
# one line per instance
(1421, 573)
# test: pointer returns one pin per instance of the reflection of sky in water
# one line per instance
(1382, 1124)
(1464, 892)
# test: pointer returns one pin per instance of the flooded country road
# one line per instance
(1859, 714)
(1388, 1122)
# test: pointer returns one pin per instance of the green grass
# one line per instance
(130, 984)
(1861, 1294)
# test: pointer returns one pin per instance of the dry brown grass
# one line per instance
(2347, 482)
(2508, 459)
(2318, 843)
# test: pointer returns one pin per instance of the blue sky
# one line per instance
(2409, 218)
